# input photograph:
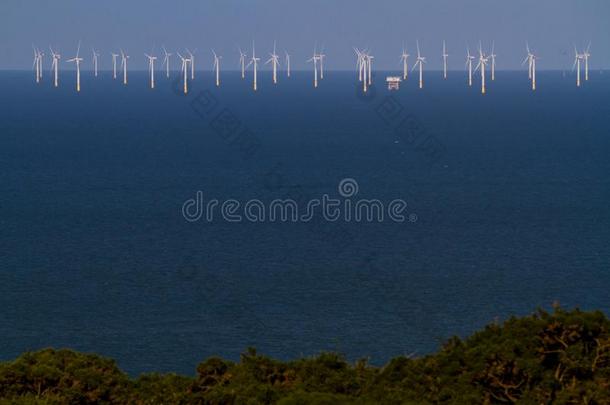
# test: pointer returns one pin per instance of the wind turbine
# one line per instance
(420, 61)
(77, 60)
(287, 64)
(124, 58)
(362, 65)
(445, 56)
(314, 59)
(531, 61)
(95, 59)
(469, 59)
(405, 64)
(369, 61)
(275, 61)
(321, 57)
(184, 71)
(254, 62)
(492, 55)
(242, 63)
(217, 67)
(577, 58)
(36, 64)
(114, 56)
(482, 63)
(534, 58)
(151, 69)
(192, 59)
(55, 66)
(166, 61)
(40, 56)
(586, 57)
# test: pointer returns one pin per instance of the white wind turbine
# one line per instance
(275, 61)
(405, 65)
(184, 71)
(77, 60)
(55, 66)
(151, 69)
(469, 59)
(586, 57)
(95, 60)
(192, 61)
(420, 61)
(369, 61)
(492, 55)
(321, 57)
(217, 67)
(254, 61)
(124, 58)
(287, 64)
(482, 63)
(166, 61)
(577, 58)
(114, 56)
(445, 56)
(40, 57)
(531, 61)
(363, 66)
(314, 59)
(36, 64)
(242, 63)
(359, 63)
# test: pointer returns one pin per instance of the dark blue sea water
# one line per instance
(512, 205)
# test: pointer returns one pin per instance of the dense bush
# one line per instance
(561, 357)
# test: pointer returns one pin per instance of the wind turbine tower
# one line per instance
(254, 61)
(586, 57)
(369, 61)
(405, 64)
(493, 61)
(184, 71)
(275, 61)
(420, 61)
(114, 56)
(577, 58)
(314, 59)
(124, 58)
(166, 61)
(151, 69)
(287, 64)
(445, 56)
(469, 59)
(77, 60)
(36, 64)
(192, 62)
(482, 63)
(242, 63)
(95, 60)
(217, 67)
(55, 66)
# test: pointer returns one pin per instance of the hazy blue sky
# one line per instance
(551, 26)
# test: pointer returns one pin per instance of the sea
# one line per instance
(505, 209)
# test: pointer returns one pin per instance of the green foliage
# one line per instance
(561, 357)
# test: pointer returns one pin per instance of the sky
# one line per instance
(383, 26)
